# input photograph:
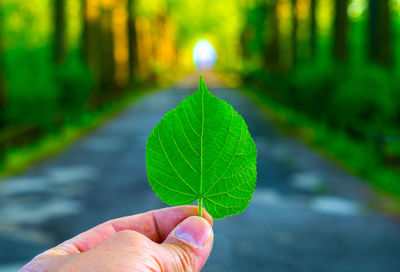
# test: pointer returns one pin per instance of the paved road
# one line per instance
(306, 214)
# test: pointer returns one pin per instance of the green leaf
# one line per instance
(203, 150)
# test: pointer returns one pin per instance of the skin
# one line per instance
(171, 239)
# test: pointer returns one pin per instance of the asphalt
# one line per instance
(306, 214)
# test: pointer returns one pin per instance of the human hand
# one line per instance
(171, 239)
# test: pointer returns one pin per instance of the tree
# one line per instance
(3, 96)
(98, 47)
(271, 52)
(254, 32)
(380, 48)
(340, 30)
(132, 37)
(3, 92)
(3, 101)
(313, 28)
(59, 32)
(107, 49)
(91, 39)
(295, 24)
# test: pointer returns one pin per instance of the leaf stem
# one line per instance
(200, 206)
(202, 88)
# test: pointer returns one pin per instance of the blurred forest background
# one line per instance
(329, 70)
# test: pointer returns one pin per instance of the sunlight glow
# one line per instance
(204, 55)
(357, 8)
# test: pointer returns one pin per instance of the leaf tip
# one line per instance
(202, 84)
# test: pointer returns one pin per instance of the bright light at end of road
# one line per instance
(204, 55)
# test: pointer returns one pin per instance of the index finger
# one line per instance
(156, 225)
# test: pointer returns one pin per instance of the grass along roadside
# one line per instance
(358, 158)
(18, 159)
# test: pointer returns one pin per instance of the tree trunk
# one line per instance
(85, 33)
(380, 47)
(107, 50)
(313, 30)
(132, 38)
(3, 90)
(272, 37)
(91, 40)
(3, 94)
(340, 31)
(98, 49)
(245, 40)
(295, 25)
(3, 102)
(59, 31)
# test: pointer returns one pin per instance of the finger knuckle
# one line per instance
(129, 236)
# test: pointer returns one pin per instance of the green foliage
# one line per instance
(39, 91)
(352, 114)
(253, 33)
(358, 156)
(203, 150)
(75, 85)
(363, 101)
(310, 89)
(32, 93)
(360, 101)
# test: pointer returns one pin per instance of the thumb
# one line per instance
(188, 246)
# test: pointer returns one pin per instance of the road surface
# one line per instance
(306, 213)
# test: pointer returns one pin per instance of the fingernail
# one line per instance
(194, 230)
